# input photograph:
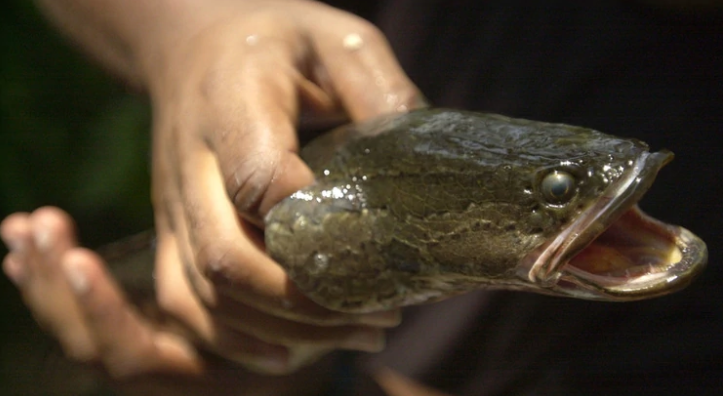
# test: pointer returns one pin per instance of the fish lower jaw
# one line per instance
(637, 257)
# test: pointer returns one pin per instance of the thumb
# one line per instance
(256, 144)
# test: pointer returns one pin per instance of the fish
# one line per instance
(418, 207)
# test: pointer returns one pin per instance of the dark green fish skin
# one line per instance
(413, 208)
(417, 207)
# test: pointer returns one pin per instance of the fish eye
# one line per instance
(558, 187)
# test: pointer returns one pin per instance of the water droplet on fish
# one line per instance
(319, 264)
(302, 195)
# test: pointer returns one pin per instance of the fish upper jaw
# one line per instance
(613, 251)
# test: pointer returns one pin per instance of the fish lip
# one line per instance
(659, 281)
(550, 266)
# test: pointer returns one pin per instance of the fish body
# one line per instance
(417, 207)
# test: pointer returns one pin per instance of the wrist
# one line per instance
(155, 47)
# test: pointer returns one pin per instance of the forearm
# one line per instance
(227, 80)
(124, 35)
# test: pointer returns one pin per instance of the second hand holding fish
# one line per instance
(228, 82)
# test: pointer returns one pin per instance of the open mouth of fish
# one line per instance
(614, 251)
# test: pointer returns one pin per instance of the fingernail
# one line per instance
(368, 340)
(14, 270)
(382, 319)
(43, 237)
(75, 275)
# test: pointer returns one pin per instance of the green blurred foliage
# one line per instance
(70, 136)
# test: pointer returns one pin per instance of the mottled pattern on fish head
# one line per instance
(408, 206)
(552, 171)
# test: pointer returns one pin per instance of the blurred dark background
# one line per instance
(69, 136)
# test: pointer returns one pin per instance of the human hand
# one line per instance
(227, 85)
(72, 296)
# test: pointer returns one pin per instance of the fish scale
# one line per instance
(448, 201)
(417, 207)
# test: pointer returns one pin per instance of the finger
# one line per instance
(14, 269)
(223, 253)
(254, 135)
(176, 297)
(319, 108)
(56, 312)
(253, 150)
(126, 345)
(255, 342)
(49, 234)
(362, 68)
(16, 234)
(13, 229)
(53, 234)
(291, 333)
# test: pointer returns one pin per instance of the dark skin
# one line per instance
(73, 297)
(228, 81)
(163, 49)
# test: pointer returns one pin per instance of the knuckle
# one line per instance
(219, 263)
(248, 181)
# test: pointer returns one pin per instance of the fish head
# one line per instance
(599, 244)
(421, 206)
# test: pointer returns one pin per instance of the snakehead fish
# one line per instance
(416, 207)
